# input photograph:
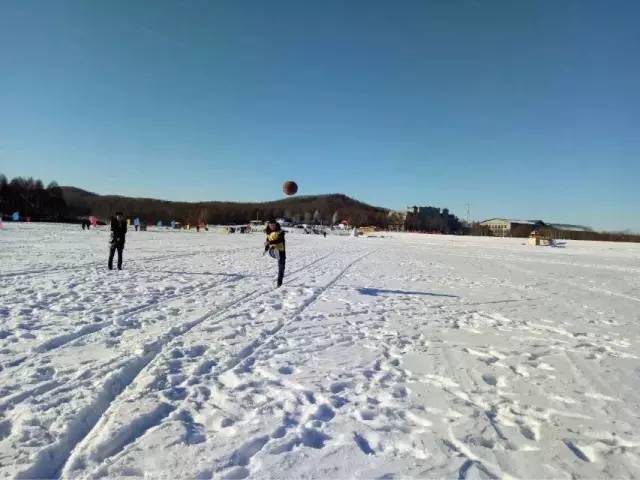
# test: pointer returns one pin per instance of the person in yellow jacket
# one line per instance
(275, 244)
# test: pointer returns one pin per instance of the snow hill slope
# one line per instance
(405, 356)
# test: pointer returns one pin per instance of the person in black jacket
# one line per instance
(116, 242)
(275, 242)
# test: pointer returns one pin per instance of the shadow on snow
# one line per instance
(374, 292)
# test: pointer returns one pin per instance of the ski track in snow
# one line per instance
(409, 356)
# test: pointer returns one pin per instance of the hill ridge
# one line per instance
(322, 207)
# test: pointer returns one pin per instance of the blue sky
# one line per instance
(523, 109)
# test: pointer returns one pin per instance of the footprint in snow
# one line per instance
(490, 379)
(175, 366)
(363, 444)
(324, 413)
(235, 473)
(338, 387)
(175, 393)
(196, 351)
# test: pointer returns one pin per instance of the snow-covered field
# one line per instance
(405, 356)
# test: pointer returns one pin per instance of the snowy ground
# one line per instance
(409, 356)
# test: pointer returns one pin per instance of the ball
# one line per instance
(290, 188)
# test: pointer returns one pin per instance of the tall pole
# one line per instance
(468, 213)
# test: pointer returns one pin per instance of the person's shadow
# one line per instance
(374, 292)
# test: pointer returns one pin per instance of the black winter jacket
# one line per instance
(118, 232)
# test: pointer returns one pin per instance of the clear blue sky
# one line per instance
(524, 109)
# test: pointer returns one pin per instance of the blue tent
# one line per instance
(16, 216)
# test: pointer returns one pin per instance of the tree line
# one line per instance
(32, 199)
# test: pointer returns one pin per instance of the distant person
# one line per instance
(275, 246)
(118, 232)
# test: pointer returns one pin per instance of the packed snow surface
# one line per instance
(402, 356)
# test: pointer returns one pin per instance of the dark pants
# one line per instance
(112, 252)
(282, 259)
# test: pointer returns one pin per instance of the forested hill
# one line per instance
(325, 208)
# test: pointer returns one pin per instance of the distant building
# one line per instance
(570, 228)
(502, 227)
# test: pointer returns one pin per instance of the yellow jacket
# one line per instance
(276, 240)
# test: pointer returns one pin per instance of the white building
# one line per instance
(501, 227)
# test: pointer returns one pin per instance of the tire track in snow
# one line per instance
(134, 261)
(248, 354)
(71, 458)
(124, 437)
(297, 312)
(38, 389)
(67, 338)
(50, 461)
(62, 456)
(62, 340)
(46, 271)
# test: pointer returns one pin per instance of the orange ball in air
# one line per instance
(290, 188)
